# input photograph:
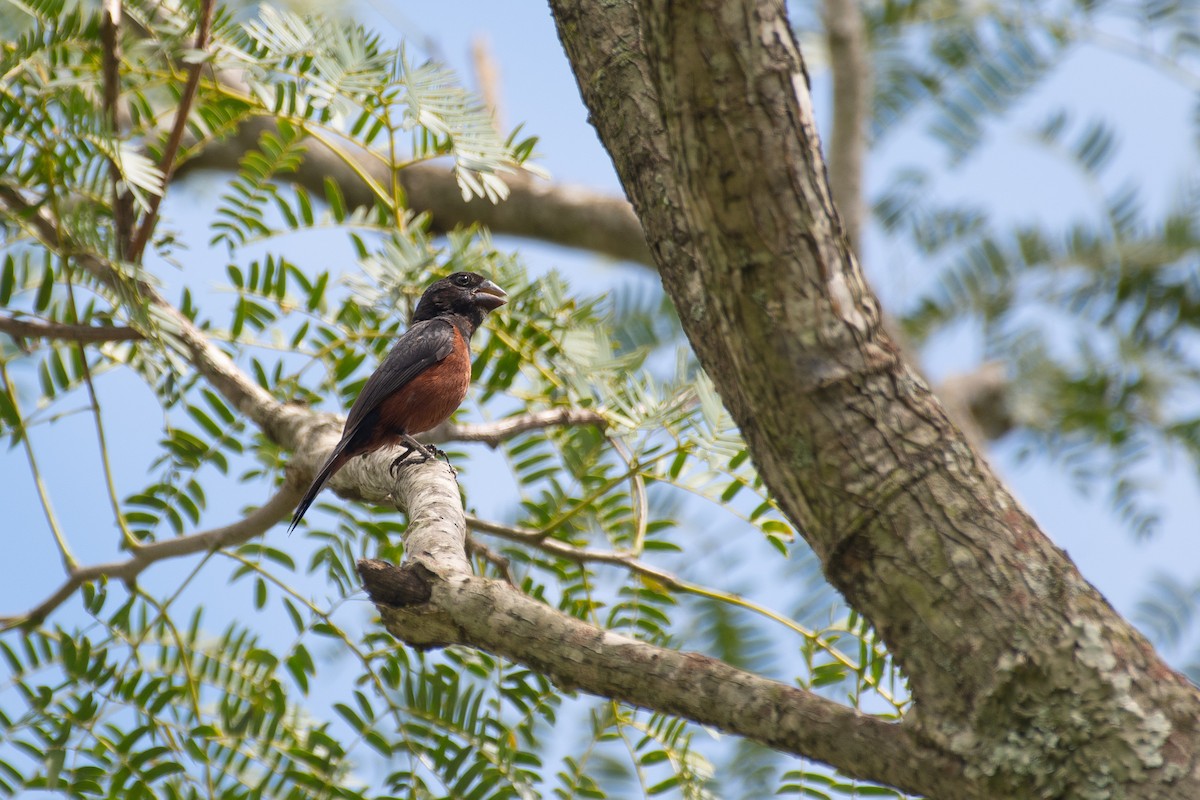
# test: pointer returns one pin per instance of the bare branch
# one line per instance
(571, 216)
(487, 74)
(284, 424)
(36, 329)
(579, 555)
(846, 33)
(493, 433)
(60, 540)
(166, 164)
(478, 548)
(434, 600)
(254, 524)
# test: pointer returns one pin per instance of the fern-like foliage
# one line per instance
(149, 709)
(1093, 316)
(125, 691)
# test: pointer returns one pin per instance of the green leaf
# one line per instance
(337, 203)
(42, 301)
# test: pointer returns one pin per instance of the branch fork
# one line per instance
(433, 600)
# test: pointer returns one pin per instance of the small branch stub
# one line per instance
(397, 587)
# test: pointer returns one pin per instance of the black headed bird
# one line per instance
(421, 382)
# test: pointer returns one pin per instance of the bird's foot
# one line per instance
(425, 452)
(437, 452)
(399, 460)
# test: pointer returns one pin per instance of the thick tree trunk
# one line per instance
(1020, 670)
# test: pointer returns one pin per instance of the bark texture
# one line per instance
(1020, 670)
(571, 216)
(434, 600)
(1027, 684)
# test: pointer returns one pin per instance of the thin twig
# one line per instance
(105, 461)
(189, 669)
(493, 433)
(110, 25)
(254, 524)
(628, 561)
(35, 329)
(637, 492)
(166, 164)
(487, 76)
(599, 491)
(478, 548)
(26, 213)
(60, 539)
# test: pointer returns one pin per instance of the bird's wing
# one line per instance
(423, 345)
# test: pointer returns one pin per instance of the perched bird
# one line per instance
(421, 382)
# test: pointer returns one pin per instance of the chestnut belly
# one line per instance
(429, 399)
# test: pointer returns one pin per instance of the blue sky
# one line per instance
(1011, 174)
(538, 89)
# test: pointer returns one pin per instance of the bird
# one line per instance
(420, 382)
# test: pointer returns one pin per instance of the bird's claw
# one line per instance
(399, 460)
(394, 469)
(426, 452)
(440, 453)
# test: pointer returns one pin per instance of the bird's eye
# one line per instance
(462, 280)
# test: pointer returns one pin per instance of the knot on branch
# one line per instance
(398, 587)
(402, 594)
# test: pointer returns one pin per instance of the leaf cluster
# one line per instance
(1095, 317)
(127, 694)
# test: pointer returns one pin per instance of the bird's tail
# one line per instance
(331, 465)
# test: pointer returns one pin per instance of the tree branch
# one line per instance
(166, 164)
(974, 602)
(570, 216)
(493, 433)
(434, 600)
(36, 329)
(982, 398)
(476, 548)
(579, 555)
(256, 523)
(284, 424)
(845, 31)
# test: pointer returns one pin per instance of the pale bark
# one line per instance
(1021, 672)
(434, 600)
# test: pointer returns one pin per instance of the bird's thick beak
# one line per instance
(490, 296)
